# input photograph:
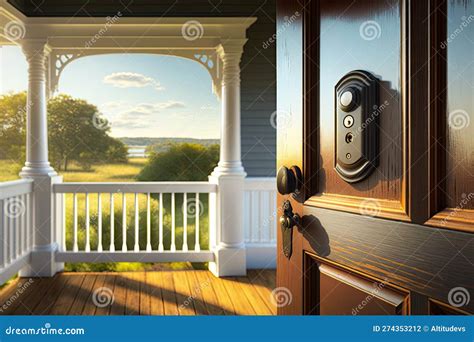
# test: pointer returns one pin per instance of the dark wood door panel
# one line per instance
(367, 35)
(425, 260)
(378, 230)
(344, 293)
(436, 308)
(460, 104)
(362, 35)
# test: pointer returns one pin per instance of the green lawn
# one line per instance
(98, 173)
(120, 173)
(9, 170)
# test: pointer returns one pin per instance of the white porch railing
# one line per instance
(260, 213)
(16, 228)
(142, 221)
(133, 222)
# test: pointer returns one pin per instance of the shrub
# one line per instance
(182, 162)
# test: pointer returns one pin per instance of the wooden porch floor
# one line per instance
(176, 292)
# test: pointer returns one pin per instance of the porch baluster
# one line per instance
(137, 221)
(99, 222)
(10, 239)
(148, 223)
(88, 234)
(21, 229)
(74, 209)
(185, 222)
(112, 224)
(16, 228)
(124, 222)
(160, 237)
(197, 246)
(173, 224)
(63, 201)
(29, 226)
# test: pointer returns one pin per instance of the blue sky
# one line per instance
(141, 95)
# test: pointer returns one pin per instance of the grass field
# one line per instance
(120, 173)
(98, 173)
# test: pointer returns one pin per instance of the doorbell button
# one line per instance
(348, 99)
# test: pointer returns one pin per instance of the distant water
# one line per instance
(136, 152)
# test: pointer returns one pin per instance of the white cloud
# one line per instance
(158, 86)
(114, 106)
(131, 80)
(131, 120)
(144, 107)
(207, 108)
(142, 115)
(170, 104)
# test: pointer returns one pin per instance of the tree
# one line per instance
(13, 126)
(182, 162)
(116, 151)
(77, 132)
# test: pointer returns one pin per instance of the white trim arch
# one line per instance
(59, 59)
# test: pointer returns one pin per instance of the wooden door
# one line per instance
(399, 240)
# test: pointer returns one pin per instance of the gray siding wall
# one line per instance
(258, 73)
(258, 62)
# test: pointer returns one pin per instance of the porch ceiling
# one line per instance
(69, 38)
(136, 8)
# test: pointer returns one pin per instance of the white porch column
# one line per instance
(229, 175)
(37, 166)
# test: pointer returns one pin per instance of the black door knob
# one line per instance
(289, 180)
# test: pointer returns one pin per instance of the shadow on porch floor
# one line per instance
(187, 292)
